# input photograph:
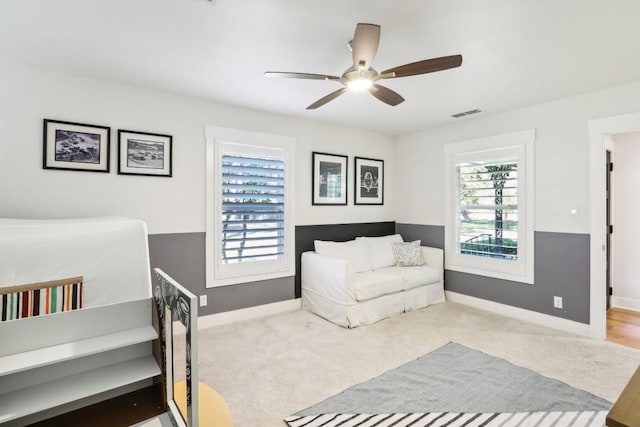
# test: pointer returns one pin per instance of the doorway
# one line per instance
(600, 247)
(622, 294)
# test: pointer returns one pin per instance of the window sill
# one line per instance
(526, 279)
(229, 281)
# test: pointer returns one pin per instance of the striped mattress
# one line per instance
(29, 302)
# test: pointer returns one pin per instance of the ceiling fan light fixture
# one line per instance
(359, 85)
(361, 76)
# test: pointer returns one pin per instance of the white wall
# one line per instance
(168, 205)
(626, 269)
(561, 157)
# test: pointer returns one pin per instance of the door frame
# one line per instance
(608, 152)
(598, 130)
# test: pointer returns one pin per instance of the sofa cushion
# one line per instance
(412, 277)
(355, 251)
(408, 254)
(372, 284)
(380, 249)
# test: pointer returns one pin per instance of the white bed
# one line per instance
(111, 253)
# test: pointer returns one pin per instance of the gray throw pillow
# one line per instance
(408, 254)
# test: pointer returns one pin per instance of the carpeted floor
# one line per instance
(269, 368)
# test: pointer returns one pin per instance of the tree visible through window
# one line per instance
(487, 208)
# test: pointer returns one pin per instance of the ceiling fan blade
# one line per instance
(365, 45)
(306, 76)
(333, 95)
(423, 67)
(386, 95)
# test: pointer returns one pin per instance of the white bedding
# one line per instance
(111, 253)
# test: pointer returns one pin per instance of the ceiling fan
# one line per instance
(361, 76)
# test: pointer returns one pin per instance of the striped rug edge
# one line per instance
(453, 419)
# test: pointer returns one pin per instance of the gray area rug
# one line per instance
(455, 378)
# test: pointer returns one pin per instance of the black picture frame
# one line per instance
(368, 181)
(329, 179)
(145, 153)
(75, 146)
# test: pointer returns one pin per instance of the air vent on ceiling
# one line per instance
(466, 113)
(211, 2)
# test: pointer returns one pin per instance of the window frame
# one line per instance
(518, 144)
(219, 141)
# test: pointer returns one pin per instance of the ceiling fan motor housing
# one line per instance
(351, 74)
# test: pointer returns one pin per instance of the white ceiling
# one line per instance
(516, 52)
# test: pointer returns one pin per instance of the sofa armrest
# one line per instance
(330, 277)
(434, 258)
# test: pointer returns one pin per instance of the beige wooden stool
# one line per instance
(213, 410)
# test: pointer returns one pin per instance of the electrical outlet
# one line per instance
(203, 300)
(557, 302)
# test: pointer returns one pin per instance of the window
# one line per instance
(489, 206)
(250, 223)
(486, 209)
(252, 207)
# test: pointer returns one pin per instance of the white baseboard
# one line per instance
(521, 314)
(249, 313)
(626, 303)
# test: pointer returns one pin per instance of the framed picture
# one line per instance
(141, 153)
(369, 181)
(329, 179)
(75, 146)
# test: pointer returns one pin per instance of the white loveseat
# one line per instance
(358, 282)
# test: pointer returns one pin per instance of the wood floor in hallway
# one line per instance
(623, 327)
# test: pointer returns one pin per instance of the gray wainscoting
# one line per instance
(182, 256)
(562, 269)
(430, 235)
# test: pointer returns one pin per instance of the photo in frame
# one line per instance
(369, 181)
(143, 153)
(329, 179)
(75, 146)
